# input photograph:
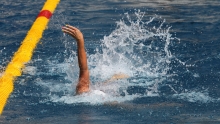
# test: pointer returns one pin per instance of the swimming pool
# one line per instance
(169, 49)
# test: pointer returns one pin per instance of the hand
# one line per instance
(74, 32)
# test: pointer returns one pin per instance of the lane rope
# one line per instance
(25, 52)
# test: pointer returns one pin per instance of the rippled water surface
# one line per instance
(169, 49)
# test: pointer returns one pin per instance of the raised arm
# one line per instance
(83, 85)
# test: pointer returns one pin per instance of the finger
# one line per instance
(68, 32)
(71, 27)
(68, 29)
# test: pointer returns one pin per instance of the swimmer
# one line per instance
(84, 81)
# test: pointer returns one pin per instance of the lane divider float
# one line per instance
(25, 51)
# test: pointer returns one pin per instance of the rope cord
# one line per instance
(25, 51)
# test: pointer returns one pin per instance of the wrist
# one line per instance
(80, 43)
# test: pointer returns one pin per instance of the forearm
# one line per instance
(82, 59)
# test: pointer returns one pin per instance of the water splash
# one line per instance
(138, 48)
(193, 96)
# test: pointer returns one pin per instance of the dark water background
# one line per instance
(183, 83)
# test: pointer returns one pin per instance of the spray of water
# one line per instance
(137, 48)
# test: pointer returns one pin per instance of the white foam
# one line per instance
(202, 97)
(30, 70)
(94, 97)
(99, 92)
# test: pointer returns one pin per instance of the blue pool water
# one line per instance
(169, 49)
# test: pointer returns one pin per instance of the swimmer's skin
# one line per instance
(84, 81)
